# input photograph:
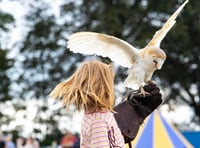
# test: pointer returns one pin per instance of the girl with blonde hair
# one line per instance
(90, 89)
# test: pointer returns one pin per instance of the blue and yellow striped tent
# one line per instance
(157, 133)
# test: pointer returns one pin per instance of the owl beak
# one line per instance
(158, 63)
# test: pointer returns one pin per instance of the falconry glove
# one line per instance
(132, 112)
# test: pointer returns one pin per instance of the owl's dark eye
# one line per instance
(155, 62)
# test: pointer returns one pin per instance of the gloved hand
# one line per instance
(144, 105)
(132, 112)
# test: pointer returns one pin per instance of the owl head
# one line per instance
(156, 55)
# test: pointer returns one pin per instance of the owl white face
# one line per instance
(155, 55)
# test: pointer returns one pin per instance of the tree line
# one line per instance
(43, 59)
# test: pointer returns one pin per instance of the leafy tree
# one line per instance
(180, 72)
(5, 63)
(44, 49)
(47, 61)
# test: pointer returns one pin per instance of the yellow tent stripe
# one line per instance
(161, 138)
(160, 135)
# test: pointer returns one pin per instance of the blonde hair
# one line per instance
(89, 88)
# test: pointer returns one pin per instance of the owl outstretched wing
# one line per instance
(119, 51)
(160, 34)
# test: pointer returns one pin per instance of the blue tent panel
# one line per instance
(193, 138)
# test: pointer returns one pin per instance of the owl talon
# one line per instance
(143, 92)
(151, 82)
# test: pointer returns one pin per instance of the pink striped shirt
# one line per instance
(100, 130)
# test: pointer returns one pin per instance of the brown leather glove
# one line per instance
(132, 112)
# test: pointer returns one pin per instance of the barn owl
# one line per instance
(142, 62)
